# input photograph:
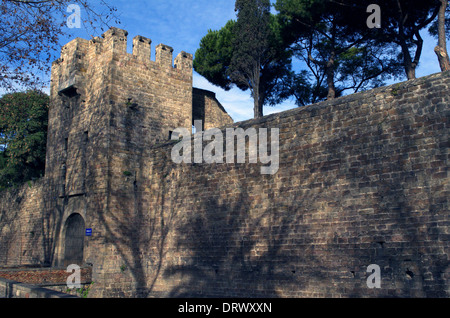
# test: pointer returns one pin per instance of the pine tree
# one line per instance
(248, 53)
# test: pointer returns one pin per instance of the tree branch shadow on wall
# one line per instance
(410, 246)
(51, 224)
(9, 230)
(27, 239)
(273, 252)
(402, 232)
(236, 251)
(139, 219)
(58, 187)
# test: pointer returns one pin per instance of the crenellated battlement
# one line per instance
(79, 52)
(83, 61)
(142, 98)
(159, 87)
(184, 60)
(115, 39)
(142, 48)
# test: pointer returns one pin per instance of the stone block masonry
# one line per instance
(362, 180)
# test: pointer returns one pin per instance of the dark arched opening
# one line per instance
(74, 240)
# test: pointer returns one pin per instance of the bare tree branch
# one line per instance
(30, 33)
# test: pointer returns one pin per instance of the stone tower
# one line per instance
(108, 107)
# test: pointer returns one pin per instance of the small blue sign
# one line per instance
(88, 232)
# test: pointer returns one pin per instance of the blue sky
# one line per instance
(182, 24)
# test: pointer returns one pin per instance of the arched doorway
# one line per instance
(74, 240)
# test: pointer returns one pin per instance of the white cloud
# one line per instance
(237, 103)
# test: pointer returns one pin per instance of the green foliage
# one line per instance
(3, 159)
(335, 44)
(304, 91)
(23, 136)
(394, 90)
(402, 21)
(433, 29)
(254, 63)
(127, 173)
(367, 66)
(251, 45)
(213, 58)
(338, 52)
(83, 291)
(248, 53)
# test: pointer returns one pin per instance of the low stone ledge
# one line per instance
(12, 289)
